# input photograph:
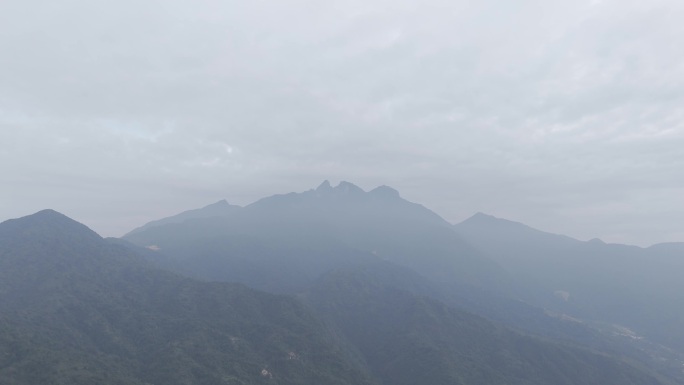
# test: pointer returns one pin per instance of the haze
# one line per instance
(566, 116)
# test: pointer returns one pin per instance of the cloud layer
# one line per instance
(564, 115)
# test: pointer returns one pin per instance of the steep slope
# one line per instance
(218, 209)
(615, 284)
(286, 242)
(79, 310)
(293, 238)
(407, 338)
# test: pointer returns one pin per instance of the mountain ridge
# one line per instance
(378, 222)
(217, 209)
(593, 280)
(77, 313)
(128, 319)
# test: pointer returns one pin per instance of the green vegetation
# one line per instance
(78, 310)
(284, 243)
(411, 339)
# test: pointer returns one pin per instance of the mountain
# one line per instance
(218, 209)
(284, 242)
(77, 309)
(409, 338)
(288, 242)
(637, 289)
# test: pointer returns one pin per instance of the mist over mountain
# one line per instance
(218, 209)
(76, 309)
(409, 338)
(639, 288)
(313, 231)
(379, 291)
(165, 163)
(286, 242)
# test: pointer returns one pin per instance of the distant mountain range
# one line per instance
(640, 288)
(306, 234)
(365, 288)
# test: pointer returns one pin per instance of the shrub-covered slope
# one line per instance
(79, 310)
(408, 339)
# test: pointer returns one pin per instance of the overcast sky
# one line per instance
(565, 115)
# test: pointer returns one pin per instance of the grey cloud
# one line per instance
(563, 115)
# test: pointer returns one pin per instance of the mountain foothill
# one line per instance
(334, 285)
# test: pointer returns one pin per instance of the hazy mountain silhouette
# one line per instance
(639, 288)
(78, 309)
(218, 209)
(75, 309)
(407, 337)
(285, 240)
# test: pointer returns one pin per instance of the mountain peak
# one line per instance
(385, 191)
(221, 203)
(348, 188)
(46, 223)
(488, 224)
(47, 216)
(219, 209)
(343, 188)
(324, 187)
(480, 218)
